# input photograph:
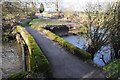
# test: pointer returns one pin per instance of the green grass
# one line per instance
(113, 68)
(20, 75)
(38, 61)
(46, 22)
(25, 22)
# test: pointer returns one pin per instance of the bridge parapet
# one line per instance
(68, 46)
(60, 30)
(37, 61)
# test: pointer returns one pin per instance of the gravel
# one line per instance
(11, 59)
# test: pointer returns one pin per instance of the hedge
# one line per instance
(38, 61)
(68, 46)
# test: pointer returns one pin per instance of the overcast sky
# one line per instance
(70, 4)
(75, 4)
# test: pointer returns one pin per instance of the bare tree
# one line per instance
(99, 23)
(11, 13)
(115, 38)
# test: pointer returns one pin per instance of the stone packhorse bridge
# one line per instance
(61, 62)
(62, 30)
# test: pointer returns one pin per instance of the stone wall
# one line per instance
(37, 60)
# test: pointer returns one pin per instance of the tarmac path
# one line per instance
(62, 63)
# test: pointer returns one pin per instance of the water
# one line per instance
(78, 41)
(82, 42)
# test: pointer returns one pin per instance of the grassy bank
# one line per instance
(113, 69)
(20, 75)
(46, 22)
(25, 22)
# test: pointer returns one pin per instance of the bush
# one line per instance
(113, 69)
(68, 46)
(38, 61)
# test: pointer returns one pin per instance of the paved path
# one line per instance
(64, 64)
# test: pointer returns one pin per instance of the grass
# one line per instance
(46, 22)
(20, 75)
(38, 61)
(25, 22)
(113, 69)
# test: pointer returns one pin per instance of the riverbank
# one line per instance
(11, 58)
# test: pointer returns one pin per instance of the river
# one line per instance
(82, 42)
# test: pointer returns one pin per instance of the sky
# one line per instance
(76, 5)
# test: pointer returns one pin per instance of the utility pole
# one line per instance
(57, 6)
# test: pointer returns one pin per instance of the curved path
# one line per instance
(64, 64)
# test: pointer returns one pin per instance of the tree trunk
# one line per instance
(92, 51)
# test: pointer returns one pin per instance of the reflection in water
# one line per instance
(78, 41)
(82, 43)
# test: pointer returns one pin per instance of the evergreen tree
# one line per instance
(41, 8)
